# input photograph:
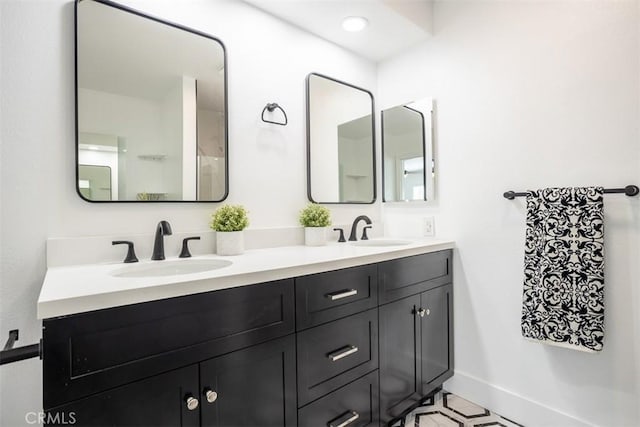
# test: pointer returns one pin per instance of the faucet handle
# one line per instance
(185, 247)
(364, 232)
(131, 253)
(341, 239)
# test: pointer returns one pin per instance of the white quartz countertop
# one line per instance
(76, 289)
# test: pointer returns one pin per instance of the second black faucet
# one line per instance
(163, 229)
(354, 226)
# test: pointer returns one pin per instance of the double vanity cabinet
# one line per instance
(355, 346)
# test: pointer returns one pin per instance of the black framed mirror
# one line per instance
(408, 171)
(151, 104)
(341, 165)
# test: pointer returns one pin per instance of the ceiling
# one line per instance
(394, 25)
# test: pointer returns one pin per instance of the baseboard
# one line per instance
(509, 404)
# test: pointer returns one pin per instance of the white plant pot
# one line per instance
(315, 236)
(229, 242)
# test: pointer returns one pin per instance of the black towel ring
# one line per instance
(271, 107)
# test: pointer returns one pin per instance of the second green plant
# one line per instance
(314, 215)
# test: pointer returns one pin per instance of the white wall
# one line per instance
(210, 136)
(268, 62)
(189, 138)
(530, 95)
(171, 142)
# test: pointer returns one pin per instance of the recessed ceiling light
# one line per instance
(354, 23)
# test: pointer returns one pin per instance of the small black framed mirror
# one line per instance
(408, 172)
(341, 160)
(151, 104)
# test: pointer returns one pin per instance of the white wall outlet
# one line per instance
(429, 226)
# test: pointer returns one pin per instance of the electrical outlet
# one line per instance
(429, 226)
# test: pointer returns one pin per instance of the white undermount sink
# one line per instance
(381, 242)
(171, 268)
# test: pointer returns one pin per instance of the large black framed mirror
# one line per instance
(151, 104)
(408, 172)
(341, 166)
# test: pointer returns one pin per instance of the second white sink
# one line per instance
(171, 268)
(381, 242)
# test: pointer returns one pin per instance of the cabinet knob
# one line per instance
(192, 403)
(421, 312)
(211, 395)
(428, 312)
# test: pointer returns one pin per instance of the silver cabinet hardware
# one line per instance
(337, 355)
(342, 294)
(421, 312)
(211, 395)
(428, 312)
(192, 403)
(352, 416)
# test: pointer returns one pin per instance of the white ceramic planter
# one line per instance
(315, 236)
(229, 242)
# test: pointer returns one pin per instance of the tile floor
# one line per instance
(445, 409)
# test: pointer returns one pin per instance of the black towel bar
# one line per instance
(629, 190)
(10, 354)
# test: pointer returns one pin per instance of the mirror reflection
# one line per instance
(340, 142)
(151, 108)
(407, 160)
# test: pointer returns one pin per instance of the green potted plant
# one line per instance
(315, 219)
(229, 221)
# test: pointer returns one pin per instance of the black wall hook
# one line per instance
(271, 107)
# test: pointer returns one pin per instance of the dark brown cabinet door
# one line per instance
(416, 349)
(436, 321)
(251, 387)
(157, 401)
(399, 357)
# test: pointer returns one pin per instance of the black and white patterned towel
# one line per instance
(563, 298)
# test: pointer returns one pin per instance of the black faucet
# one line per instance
(163, 229)
(352, 235)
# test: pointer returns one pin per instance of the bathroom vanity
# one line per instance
(336, 336)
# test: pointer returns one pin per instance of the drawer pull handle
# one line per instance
(337, 355)
(353, 415)
(342, 294)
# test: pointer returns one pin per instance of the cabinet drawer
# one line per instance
(400, 278)
(336, 353)
(354, 405)
(93, 351)
(323, 297)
